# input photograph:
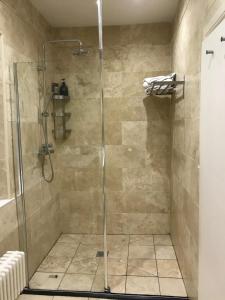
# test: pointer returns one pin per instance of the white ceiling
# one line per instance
(69, 13)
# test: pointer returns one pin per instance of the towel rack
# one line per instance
(162, 88)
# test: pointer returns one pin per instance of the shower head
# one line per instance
(80, 51)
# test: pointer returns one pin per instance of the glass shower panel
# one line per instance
(77, 166)
(64, 217)
(36, 202)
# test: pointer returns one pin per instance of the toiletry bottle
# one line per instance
(64, 88)
(55, 88)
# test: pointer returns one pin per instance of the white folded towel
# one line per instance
(150, 84)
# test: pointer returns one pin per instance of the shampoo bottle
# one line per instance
(64, 91)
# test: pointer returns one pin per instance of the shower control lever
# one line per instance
(45, 149)
(209, 52)
(222, 39)
(45, 114)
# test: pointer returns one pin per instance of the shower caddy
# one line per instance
(60, 117)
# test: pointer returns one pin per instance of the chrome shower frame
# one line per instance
(103, 150)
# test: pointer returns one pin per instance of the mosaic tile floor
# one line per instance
(137, 264)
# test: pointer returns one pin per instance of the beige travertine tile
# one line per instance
(87, 251)
(116, 266)
(172, 287)
(114, 180)
(118, 251)
(137, 180)
(70, 238)
(64, 249)
(116, 283)
(138, 223)
(134, 133)
(165, 252)
(117, 239)
(142, 267)
(158, 33)
(141, 240)
(49, 281)
(162, 240)
(83, 265)
(68, 298)
(98, 283)
(126, 113)
(141, 252)
(168, 268)
(113, 133)
(142, 285)
(77, 282)
(125, 156)
(54, 264)
(92, 239)
(34, 297)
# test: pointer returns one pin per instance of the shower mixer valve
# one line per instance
(45, 149)
(45, 114)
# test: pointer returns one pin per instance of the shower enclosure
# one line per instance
(94, 203)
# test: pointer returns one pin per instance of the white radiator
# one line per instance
(12, 275)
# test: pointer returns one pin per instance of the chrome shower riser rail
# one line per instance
(101, 295)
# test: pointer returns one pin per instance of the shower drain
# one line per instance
(101, 253)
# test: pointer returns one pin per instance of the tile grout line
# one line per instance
(127, 265)
(47, 254)
(126, 273)
(95, 275)
(70, 262)
(157, 270)
(179, 266)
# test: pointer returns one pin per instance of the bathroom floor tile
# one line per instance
(142, 285)
(118, 251)
(69, 298)
(118, 240)
(77, 282)
(34, 297)
(50, 281)
(142, 267)
(116, 266)
(141, 240)
(162, 240)
(98, 283)
(83, 265)
(64, 249)
(168, 268)
(70, 238)
(73, 259)
(54, 264)
(141, 252)
(90, 239)
(172, 287)
(116, 283)
(165, 252)
(87, 251)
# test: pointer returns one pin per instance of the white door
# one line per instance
(212, 169)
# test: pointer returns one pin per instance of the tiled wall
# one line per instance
(3, 182)
(9, 239)
(23, 31)
(187, 40)
(137, 132)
